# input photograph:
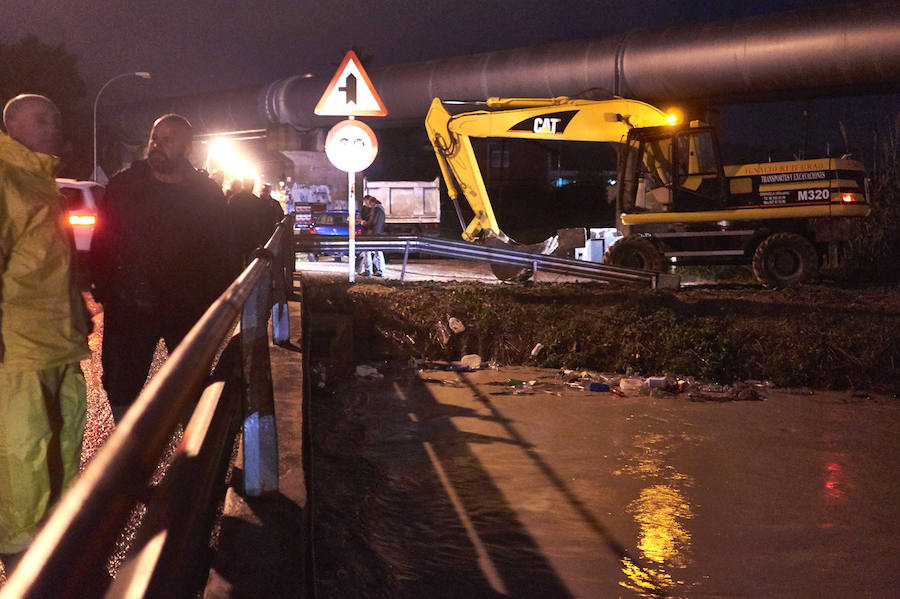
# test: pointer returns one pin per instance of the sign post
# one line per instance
(351, 145)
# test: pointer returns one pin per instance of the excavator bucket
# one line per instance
(561, 245)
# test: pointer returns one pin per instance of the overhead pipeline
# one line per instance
(834, 50)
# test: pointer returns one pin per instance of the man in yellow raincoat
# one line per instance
(43, 327)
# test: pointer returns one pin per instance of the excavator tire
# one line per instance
(785, 259)
(634, 251)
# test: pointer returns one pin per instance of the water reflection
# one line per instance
(661, 511)
(834, 489)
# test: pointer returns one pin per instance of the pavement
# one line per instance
(426, 269)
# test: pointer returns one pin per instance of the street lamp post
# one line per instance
(142, 75)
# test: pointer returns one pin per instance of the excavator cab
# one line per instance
(671, 169)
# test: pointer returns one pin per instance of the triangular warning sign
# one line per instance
(350, 92)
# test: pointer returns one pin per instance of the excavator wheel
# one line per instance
(785, 259)
(634, 251)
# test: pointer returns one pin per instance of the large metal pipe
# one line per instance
(843, 50)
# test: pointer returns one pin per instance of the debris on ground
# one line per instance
(519, 387)
(368, 372)
(443, 333)
(473, 361)
(537, 349)
(456, 325)
(736, 392)
(631, 384)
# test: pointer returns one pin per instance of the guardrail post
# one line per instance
(405, 258)
(282, 277)
(260, 439)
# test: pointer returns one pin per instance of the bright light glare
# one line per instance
(84, 220)
(848, 198)
(224, 156)
(674, 116)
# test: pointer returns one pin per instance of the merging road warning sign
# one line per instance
(350, 92)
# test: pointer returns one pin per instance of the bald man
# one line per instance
(161, 255)
(43, 327)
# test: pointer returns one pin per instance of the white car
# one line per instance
(81, 203)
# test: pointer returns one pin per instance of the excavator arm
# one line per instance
(558, 118)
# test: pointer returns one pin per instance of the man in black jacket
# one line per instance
(373, 224)
(253, 218)
(157, 255)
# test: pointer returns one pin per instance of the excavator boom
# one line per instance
(561, 119)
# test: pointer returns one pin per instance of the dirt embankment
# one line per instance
(816, 336)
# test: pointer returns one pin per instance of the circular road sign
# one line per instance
(351, 146)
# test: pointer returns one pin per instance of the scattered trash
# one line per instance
(631, 384)
(457, 367)
(712, 388)
(660, 382)
(451, 382)
(473, 361)
(600, 387)
(494, 365)
(537, 349)
(366, 371)
(519, 383)
(456, 325)
(615, 391)
(739, 392)
(443, 333)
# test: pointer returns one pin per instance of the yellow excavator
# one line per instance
(676, 203)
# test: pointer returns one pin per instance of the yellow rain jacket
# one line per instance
(43, 336)
(43, 319)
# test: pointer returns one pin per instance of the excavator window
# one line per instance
(700, 183)
(666, 170)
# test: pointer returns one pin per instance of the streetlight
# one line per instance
(142, 75)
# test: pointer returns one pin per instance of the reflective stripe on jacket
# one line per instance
(43, 319)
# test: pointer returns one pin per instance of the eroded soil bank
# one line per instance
(816, 336)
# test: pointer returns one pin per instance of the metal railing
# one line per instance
(170, 554)
(463, 250)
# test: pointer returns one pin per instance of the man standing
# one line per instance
(161, 255)
(43, 327)
(373, 224)
(253, 218)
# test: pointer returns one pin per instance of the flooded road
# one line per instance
(465, 486)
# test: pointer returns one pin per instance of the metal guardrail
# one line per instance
(170, 556)
(463, 250)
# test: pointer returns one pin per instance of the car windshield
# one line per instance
(332, 219)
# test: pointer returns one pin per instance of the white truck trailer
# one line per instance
(410, 207)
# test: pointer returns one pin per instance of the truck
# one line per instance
(410, 207)
(676, 203)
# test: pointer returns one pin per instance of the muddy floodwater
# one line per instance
(432, 483)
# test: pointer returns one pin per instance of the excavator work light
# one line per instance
(674, 116)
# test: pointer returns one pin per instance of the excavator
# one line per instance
(676, 204)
